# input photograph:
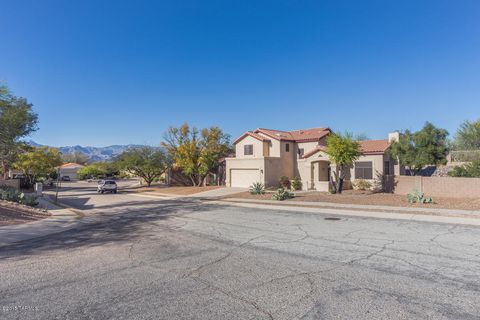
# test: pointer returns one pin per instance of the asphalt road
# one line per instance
(164, 259)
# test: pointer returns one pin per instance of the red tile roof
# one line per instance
(71, 165)
(314, 150)
(374, 146)
(253, 135)
(367, 146)
(297, 135)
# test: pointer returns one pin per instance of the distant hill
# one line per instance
(94, 154)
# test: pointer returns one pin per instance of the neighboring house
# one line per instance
(70, 170)
(264, 155)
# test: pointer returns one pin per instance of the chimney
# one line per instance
(393, 136)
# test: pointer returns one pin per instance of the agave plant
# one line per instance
(418, 197)
(257, 188)
(282, 194)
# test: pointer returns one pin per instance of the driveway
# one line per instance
(147, 258)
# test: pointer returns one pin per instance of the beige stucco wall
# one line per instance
(320, 167)
(307, 146)
(257, 148)
(439, 186)
(274, 148)
(288, 159)
(274, 169)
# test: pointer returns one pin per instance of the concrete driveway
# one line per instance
(186, 259)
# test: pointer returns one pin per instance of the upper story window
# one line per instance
(248, 150)
(287, 147)
(301, 152)
(363, 170)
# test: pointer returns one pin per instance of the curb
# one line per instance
(408, 210)
(356, 212)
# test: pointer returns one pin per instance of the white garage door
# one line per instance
(243, 178)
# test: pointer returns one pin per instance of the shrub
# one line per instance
(361, 184)
(282, 194)
(297, 183)
(257, 188)
(29, 200)
(418, 197)
(8, 193)
(284, 182)
(471, 170)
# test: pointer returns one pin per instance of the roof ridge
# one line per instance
(272, 130)
(316, 128)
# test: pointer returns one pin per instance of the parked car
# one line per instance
(107, 186)
(66, 178)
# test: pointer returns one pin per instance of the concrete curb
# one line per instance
(434, 211)
(61, 219)
(356, 212)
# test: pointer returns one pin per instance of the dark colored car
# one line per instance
(66, 178)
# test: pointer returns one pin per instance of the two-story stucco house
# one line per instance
(264, 155)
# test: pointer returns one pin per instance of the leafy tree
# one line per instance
(196, 153)
(17, 120)
(76, 157)
(91, 171)
(419, 149)
(467, 136)
(342, 150)
(469, 170)
(38, 163)
(146, 162)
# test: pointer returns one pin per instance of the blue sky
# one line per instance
(118, 72)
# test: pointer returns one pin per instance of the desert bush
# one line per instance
(361, 184)
(8, 193)
(29, 200)
(418, 197)
(257, 188)
(297, 183)
(470, 170)
(284, 182)
(282, 194)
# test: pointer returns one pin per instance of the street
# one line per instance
(152, 258)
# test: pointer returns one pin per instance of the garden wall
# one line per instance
(437, 186)
(11, 183)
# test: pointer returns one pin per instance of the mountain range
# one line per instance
(94, 154)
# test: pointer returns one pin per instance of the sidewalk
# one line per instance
(61, 219)
(466, 217)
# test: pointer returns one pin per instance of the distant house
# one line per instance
(69, 169)
(264, 155)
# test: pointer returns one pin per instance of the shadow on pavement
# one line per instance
(124, 226)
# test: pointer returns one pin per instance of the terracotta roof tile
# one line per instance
(71, 165)
(253, 135)
(296, 135)
(374, 146)
(313, 151)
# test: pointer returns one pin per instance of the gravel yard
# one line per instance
(369, 198)
(13, 213)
